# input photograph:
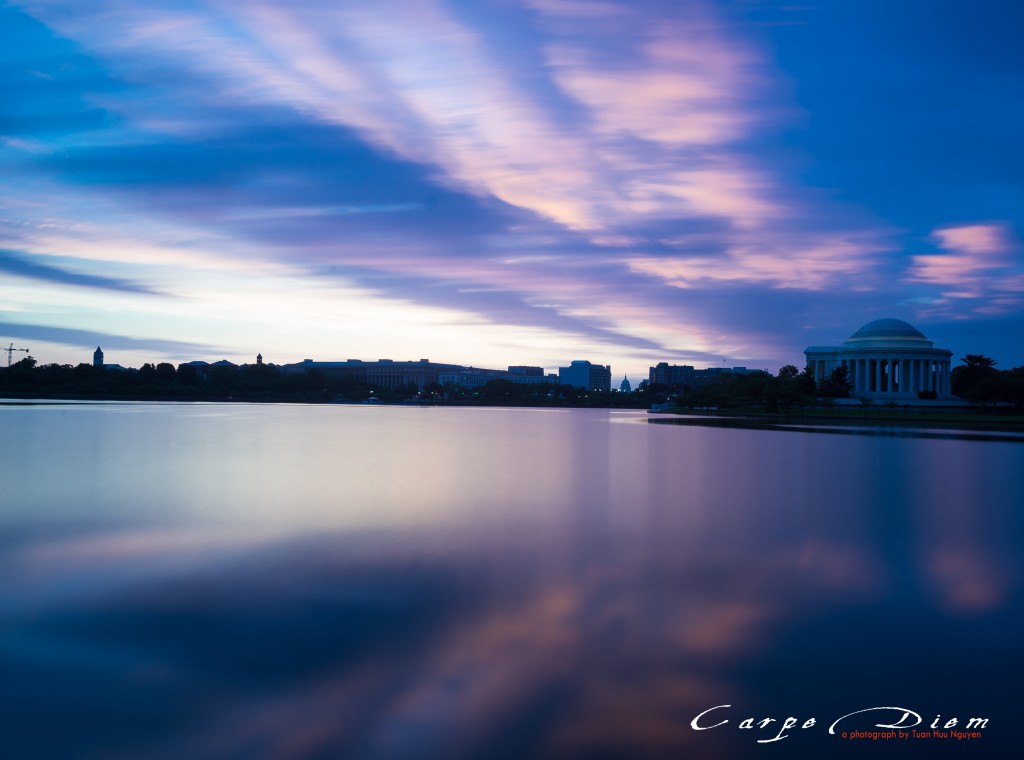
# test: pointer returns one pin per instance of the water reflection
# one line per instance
(487, 583)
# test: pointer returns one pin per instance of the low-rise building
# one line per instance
(385, 373)
(685, 375)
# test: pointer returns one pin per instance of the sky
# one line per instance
(497, 182)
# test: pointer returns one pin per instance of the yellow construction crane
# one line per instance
(10, 352)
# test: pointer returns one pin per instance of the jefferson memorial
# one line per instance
(888, 360)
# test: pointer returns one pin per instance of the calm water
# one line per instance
(235, 581)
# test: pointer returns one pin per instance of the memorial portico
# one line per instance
(887, 359)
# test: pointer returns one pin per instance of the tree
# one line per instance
(978, 360)
(837, 384)
(165, 372)
(1000, 388)
(502, 390)
(806, 381)
(974, 370)
(784, 391)
(187, 375)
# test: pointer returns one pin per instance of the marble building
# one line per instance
(887, 360)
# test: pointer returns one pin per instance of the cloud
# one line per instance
(590, 170)
(978, 239)
(980, 263)
(587, 139)
(79, 338)
(799, 261)
(22, 266)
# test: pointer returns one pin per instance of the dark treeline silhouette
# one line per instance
(508, 393)
(164, 382)
(267, 382)
(752, 390)
(976, 380)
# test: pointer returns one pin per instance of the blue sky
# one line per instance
(508, 181)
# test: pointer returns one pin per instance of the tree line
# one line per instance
(268, 382)
(165, 382)
(977, 380)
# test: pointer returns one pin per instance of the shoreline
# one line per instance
(960, 418)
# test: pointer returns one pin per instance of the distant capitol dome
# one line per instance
(886, 359)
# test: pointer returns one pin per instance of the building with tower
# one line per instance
(97, 357)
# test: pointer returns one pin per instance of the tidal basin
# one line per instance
(299, 581)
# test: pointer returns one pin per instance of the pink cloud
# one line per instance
(980, 262)
(417, 80)
(980, 239)
(807, 262)
(601, 144)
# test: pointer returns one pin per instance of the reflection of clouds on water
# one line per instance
(293, 647)
(960, 527)
(836, 567)
(964, 581)
(51, 571)
(567, 586)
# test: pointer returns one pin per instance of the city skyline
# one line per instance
(512, 183)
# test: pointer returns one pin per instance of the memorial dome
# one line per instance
(887, 359)
(890, 333)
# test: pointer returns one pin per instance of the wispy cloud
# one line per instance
(78, 338)
(588, 169)
(797, 261)
(981, 265)
(20, 265)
